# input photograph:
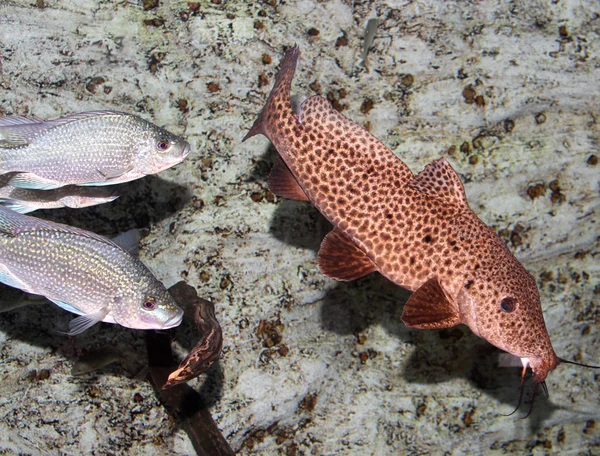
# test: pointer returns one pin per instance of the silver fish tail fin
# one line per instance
(279, 98)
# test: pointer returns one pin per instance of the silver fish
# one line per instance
(93, 148)
(83, 273)
(370, 32)
(25, 200)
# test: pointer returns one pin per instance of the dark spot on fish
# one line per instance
(427, 239)
(592, 160)
(313, 32)
(258, 25)
(266, 59)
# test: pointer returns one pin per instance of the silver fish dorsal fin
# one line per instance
(439, 180)
(20, 131)
(12, 224)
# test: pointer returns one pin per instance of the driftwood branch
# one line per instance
(202, 313)
(184, 402)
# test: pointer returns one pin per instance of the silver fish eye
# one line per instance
(508, 304)
(149, 304)
(162, 145)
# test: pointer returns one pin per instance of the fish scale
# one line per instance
(416, 230)
(82, 272)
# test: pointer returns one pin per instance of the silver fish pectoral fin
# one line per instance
(84, 322)
(33, 181)
(115, 173)
(429, 307)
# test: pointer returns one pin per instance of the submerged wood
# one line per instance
(202, 313)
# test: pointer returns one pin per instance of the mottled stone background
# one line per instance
(507, 91)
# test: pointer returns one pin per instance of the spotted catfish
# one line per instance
(416, 230)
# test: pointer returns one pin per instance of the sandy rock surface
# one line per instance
(507, 92)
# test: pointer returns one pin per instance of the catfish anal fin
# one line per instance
(341, 259)
(283, 183)
(430, 308)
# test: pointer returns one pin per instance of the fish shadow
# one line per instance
(141, 203)
(439, 356)
(297, 223)
(40, 326)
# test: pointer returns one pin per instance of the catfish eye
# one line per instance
(507, 304)
(149, 304)
(162, 145)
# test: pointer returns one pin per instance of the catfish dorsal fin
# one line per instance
(341, 259)
(283, 183)
(430, 308)
(439, 180)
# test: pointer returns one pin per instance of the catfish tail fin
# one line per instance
(278, 102)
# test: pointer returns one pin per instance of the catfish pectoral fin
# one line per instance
(341, 259)
(430, 308)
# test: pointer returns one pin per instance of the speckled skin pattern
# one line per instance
(83, 270)
(95, 148)
(411, 228)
